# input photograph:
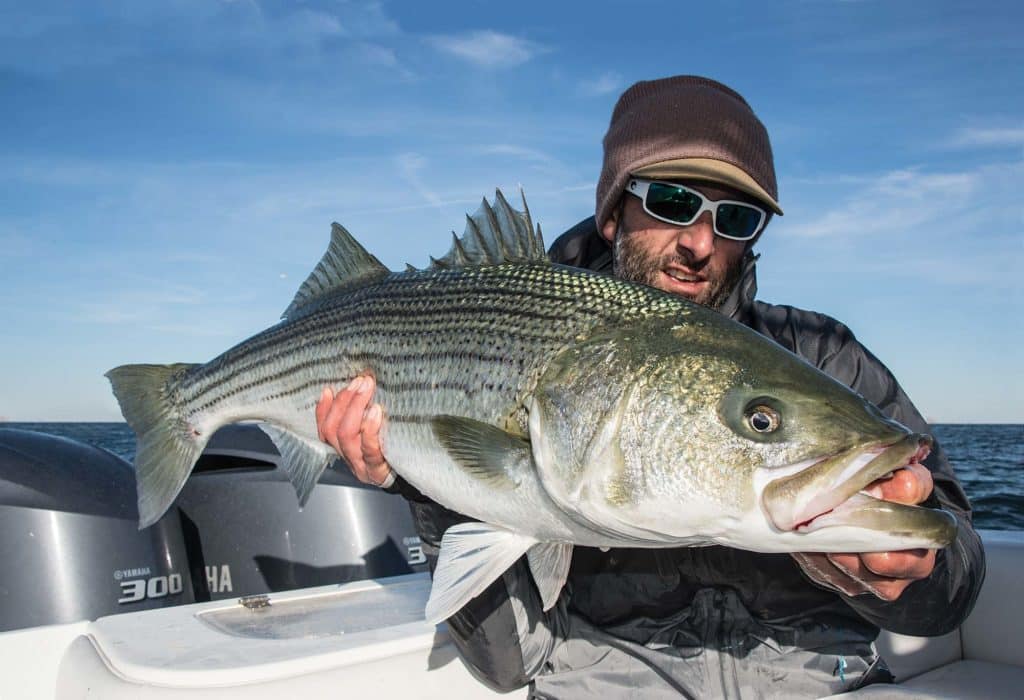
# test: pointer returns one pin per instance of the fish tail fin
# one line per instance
(168, 446)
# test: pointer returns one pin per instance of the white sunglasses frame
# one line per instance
(638, 187)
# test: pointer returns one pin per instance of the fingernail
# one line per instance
(375, 412)
(364, 385)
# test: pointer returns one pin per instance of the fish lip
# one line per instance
(795, 501)
(932, 528)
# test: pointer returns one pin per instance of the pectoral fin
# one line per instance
(487, 453)
(472, 556)
(549, 564)
(302, 460)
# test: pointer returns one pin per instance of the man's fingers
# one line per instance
(323, 406)
(884, 574)
(819, 568)
(372, 452)
(331, 425)
(348, 422)
(911, 564)
(910, 485)
(904, 568)
(361, 390)
(377, 467)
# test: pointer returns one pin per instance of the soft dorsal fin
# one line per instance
(346, 263)
(494, 235)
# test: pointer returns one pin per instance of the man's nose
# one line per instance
(698, 238)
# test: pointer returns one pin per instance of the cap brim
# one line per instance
(717, 171)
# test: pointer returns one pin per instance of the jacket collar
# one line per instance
(739, 305)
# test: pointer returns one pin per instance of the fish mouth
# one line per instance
(830, 492)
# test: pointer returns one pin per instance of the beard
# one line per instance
(633, 263)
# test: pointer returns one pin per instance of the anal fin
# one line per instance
(472, 556)
(549, 564)
(302, 460)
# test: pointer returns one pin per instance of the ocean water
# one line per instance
(988, 459)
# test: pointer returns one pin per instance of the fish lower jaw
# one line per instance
(832, 516)
(806, 518)
(798, 499)
(865, 525)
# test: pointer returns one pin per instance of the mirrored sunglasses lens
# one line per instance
(672, 203)
(737, 220)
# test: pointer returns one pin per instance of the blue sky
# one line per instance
(169, 170)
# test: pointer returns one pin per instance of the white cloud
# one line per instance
(602, 85)
(410, 165)
(89, 36)
(62, 172)
(519, 152)
(974, 136)
(141, 307)
(487, 48)
(369, 20)
(897, 201)
(377, 55)
(310, 25)
(963, 229)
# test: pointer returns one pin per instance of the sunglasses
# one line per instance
(677, 204)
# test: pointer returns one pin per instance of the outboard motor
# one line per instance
(70, 547)
(246, 534)
(70, 544)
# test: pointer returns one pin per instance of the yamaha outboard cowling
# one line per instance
(70, 544)
(70, 547)
(246, 534)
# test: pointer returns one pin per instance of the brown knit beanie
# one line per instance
(686, 127)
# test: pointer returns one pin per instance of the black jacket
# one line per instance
(712, 621)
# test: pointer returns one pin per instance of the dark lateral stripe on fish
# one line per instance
(410, 419)
(331, 335)
(356, 320)
(352, 322)
(427, 387)
(386, 337)
(379, 359)
(328, 324)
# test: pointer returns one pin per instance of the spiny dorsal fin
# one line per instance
(346, 263)
(494, 235)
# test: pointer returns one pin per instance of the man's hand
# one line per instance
(349, 423)
(886, 574)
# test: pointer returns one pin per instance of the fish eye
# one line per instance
(763, 419)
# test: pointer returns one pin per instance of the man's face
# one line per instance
(690, 261)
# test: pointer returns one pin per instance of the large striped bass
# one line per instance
(556, 406)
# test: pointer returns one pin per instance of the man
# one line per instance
(687, 187)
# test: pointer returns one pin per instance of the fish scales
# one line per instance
(451, 327)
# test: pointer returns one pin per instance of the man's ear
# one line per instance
(611, 224)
